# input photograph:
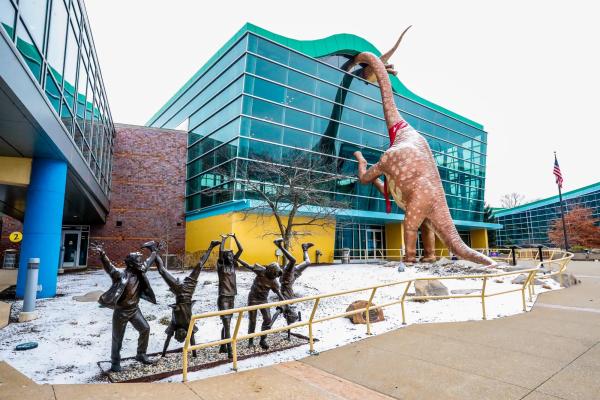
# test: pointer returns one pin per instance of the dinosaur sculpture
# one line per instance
(411, 175)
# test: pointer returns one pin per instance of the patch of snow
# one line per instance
(73, 336)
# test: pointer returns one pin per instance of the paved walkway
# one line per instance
(552, 352)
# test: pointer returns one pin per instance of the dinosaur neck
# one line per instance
(391, 114)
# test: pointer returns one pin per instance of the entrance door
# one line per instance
(374, 243)
(71, 246)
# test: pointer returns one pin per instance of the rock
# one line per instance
(150, 317)
(443, 261)
(391, 264)
(430, 288)
(546, 286)
(375, 313)
(206, 283)
(401, 267)
(89, 297)
(568, 279)
(26, 346)
(519, 280)
(512, 268)
(498, 281)
(165, 320)
(465, 291)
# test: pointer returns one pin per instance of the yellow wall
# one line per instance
(394, 239)
(441, 250)
(251, 233)
(479, 239)
(15, 171)
(199, 233)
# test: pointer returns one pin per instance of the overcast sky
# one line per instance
(529, 71)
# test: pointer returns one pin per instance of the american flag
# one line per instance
(557, 173)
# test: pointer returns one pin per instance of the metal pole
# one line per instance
(562, 216)
(31, 289)
(514, 255)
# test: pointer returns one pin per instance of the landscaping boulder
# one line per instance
(375, 313)
(519, 280)
(430, 288)
(89, 297)
(465, 291)
(568, 279)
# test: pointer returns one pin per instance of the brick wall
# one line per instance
(147, 193)
(8, 225)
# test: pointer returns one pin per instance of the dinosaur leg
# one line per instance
(428, 239)
(413, 219)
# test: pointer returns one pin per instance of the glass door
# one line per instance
(71, 249)
(374, 243)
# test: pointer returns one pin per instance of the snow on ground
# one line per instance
(73, 336)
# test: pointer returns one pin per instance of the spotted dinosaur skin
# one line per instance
(412, 177)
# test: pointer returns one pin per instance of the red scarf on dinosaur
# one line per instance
(392, 132)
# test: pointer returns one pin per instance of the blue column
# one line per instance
(43, 224)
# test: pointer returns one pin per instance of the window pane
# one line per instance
(56, 39)
(33, 13)
(7, 17)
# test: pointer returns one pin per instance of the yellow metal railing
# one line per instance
(532, 274)
(502, 254)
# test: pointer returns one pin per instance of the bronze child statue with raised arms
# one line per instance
(129, 285)
(182, 309)
(266, 280)
(227, 286)
(291, 271)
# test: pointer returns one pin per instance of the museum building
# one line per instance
(528, 224)
(267, 98)
(56, 134)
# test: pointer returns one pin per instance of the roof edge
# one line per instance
(549, 200)
(337, 43)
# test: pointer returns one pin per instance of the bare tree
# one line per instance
(302, 187)
(511, 200)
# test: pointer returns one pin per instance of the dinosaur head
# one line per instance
(369, 74)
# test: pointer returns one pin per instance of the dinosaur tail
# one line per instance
(445, 229)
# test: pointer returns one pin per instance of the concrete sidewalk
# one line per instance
(552, 352)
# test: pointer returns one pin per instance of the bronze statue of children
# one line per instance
(129, 285)
(181, 314)
(266, 280)
(291, 271)
(227, 287)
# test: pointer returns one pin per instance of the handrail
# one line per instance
(532, 273)
(495, 253)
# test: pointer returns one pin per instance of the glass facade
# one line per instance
(261, 101)
(55, 42)
(529, 224)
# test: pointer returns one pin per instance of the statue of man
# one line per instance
(181, 314)
(291, 271)
(227, 287)
(266, 280)
(129, 285)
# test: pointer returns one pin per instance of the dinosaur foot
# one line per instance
(430, 259)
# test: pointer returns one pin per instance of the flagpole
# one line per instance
(562, 212)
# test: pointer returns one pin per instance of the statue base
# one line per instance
(133, 371)
(27, 316)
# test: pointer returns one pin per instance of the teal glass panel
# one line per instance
(29, 51)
